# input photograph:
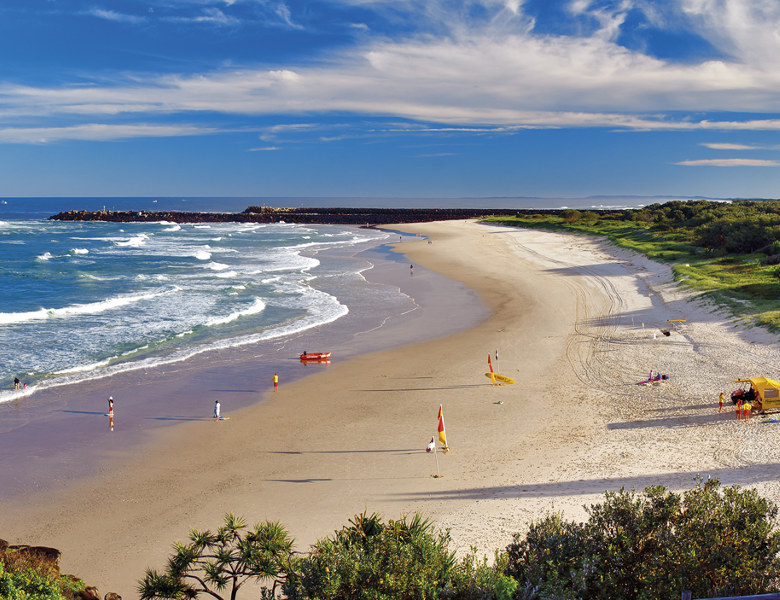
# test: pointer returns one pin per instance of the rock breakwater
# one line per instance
(264, 214)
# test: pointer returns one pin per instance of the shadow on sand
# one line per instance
(746, 475)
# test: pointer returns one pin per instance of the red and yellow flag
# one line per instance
(442, 435)
(490, 364)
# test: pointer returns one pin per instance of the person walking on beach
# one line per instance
(739, 409)
(216, 410)
(276, 381)
(110, 406)
(720, 401)
(411, 269)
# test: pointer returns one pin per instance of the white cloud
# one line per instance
(495, 74)
(729, 146)
(214, 15)
(283, 11)
(95, 132)
(112, 15)
(729, 162)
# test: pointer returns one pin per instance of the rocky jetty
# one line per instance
(265, 214)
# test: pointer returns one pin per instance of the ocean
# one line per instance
(82, 300)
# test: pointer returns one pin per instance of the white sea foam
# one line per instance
(215, 266)
(79, 251)
(202, 255)
(134, 242)
(8, 395)
(290, 262)
(90, 308)
(96, 277)
(84, 368)
(257, 306)
(134, 350)
(226, 274)
(45, 256)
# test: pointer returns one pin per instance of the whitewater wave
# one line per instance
(202, 255)
(215, 266)
(257, 306)
(134, 242)
(97, 277)
(91, 308)
(79, 251)
(45, 256)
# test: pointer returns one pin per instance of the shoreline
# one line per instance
(71, 417)
(568, 319)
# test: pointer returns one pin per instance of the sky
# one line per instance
(390, 98)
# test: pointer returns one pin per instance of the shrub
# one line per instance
(28, 584)
(475, 579)
(709, 540)
(398, 560)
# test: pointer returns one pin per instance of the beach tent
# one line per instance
(768, 391)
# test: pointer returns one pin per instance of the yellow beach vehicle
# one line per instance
(766, 392)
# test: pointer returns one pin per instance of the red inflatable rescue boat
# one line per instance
(315, 356)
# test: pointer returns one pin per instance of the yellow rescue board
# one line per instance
(501, 378)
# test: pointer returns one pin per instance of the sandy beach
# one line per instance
(576, 321)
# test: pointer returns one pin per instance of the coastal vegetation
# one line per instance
(223, 562)
(711, 540)
(27, 574)
(727, 251)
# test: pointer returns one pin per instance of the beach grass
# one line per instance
(740, 283)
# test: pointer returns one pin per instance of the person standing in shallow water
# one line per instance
(411, 269)
(217, 408)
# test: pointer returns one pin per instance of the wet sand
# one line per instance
(575, 321)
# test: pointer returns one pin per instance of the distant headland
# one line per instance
(370, 217)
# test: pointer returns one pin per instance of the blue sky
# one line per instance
(431, 98)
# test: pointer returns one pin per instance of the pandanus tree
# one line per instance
(219, 564)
